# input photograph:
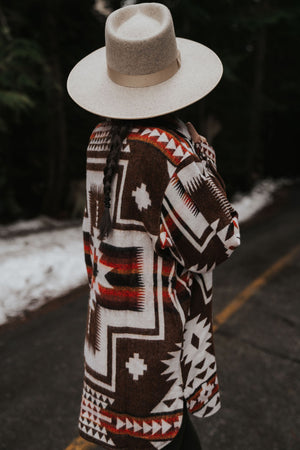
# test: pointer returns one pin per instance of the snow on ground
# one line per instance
(38, 267)
(260, 196)
(38, 264)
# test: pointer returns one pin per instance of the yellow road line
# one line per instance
(81, 444)
(253, 287)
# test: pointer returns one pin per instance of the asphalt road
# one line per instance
(257, 351)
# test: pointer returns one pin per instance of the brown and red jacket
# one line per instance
(149, 339)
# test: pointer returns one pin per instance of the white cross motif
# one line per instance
(136, 366)
(142, 198)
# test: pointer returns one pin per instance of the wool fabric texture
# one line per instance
(140, 39)
(149, 339)
(144, 70)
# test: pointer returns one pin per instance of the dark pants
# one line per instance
(187, 438)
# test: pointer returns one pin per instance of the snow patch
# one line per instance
(38, 264)
(38, 267)
(260, 196)
(40, 223)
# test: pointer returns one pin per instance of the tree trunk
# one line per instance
(56, 143)
(254, 167)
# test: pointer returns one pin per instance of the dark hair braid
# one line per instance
(119, 131)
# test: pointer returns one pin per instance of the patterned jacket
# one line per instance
(149, 340)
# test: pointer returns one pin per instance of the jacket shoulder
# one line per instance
(170, 144)
(100, 128)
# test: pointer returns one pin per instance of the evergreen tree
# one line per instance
(20, 63)
(250, 117)
(55, 34)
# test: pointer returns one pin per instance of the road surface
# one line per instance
(256, 305)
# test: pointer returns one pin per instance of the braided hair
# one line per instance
(119, 131)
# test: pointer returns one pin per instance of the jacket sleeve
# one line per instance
(87, 247)
(198, 225)
(86, 228)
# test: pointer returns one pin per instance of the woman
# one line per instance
(157, 222)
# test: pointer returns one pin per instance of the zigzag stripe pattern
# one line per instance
(123, 284)
(97, 421)
(206, 400)
(174, 149)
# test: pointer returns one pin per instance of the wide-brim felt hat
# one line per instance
(144, 70)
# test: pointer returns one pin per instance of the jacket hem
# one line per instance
(108, 446)
(202, 415)
(99, 442)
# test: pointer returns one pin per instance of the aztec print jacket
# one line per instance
(149, 340)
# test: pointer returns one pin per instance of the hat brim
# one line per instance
(91, 88)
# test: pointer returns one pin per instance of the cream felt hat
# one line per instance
(144, 70)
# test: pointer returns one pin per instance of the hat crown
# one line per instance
(140, 39)
(138, 27)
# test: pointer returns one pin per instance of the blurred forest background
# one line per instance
(251, 118)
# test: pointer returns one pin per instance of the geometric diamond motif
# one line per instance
(142, 198)
(136, 366)
(195, 341)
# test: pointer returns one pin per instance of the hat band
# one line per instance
(150, 79)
